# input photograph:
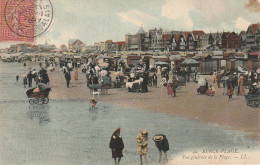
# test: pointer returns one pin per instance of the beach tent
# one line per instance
(190, 62)
(161, 63)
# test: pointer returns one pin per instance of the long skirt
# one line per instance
(210, 93)
(241, 90)
(230, 91)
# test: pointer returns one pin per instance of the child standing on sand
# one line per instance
(17, 78)
(93, 103)
(142, 145)
(24, 80)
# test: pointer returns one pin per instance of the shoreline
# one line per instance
(235, 114)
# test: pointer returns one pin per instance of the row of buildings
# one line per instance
(25, 47)
(74, 45)
(197, 40)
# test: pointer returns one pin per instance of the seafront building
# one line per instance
(213, 51)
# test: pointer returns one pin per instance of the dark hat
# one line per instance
(116, 131)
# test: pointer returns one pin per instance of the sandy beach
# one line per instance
(233, 114)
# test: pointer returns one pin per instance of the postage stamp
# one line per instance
(23, 20)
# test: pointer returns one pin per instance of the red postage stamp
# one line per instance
(23, 20)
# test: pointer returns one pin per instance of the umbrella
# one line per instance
(43, 86)
(97, 68)
(165, 68)
(161, 63)
(258, 70)
(103, 73)
(132, 75)
(224, 78)
(103, 64)
(202, 82)
(116, 73)
(190, 62)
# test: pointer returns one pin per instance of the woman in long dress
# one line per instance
(170, 88)
(76, 74)
(116, 145)
(241, 87)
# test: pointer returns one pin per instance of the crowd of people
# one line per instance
(232, 83)
(37, 77)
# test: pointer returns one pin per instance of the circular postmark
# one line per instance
(28, 18)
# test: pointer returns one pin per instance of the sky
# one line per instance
(99, 20)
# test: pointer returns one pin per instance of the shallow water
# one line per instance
(68, 132)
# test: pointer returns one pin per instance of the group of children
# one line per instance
(116, 145)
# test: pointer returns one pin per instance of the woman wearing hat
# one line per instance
(116, 144)
(162, 144)
(169, 88)
(142, 145)
(241, 86)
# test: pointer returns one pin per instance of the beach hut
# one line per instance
(133, 59)
(192, 64)
(156, 59)
(235, 59)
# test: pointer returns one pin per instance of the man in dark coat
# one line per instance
(162, 144)
(116, 145)
(145, 82)
(154, 80)
(30, 77)
(95, 79)
(45, 78)
(68, 77)
(235, 83)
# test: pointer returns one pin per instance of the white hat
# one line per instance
(158, 138)
(255, 84)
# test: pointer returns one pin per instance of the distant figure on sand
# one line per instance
(218, 77)
(116, 145)
(171, 88)
(93, 103)
(67, 77)
(30, 77)
(211, 91)
(24, 80)
(230, 88)
(17, 77)
(142, 145)
(76, 74)
(162, 144)
(241, 87)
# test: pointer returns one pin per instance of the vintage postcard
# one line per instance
(149, 82)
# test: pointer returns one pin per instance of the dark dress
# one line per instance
(162, 145)
(117, 144)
